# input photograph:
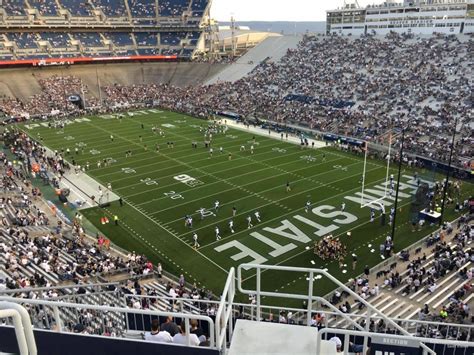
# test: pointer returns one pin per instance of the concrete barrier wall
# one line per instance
(23, 83)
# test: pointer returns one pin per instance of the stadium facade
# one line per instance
(412, 16)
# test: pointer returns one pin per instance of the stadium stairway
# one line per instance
(272, 48)
(397, 303)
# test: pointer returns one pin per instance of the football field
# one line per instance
(159, 187)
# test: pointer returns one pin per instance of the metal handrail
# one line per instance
(56, 306)
(23, 329)
(224, 315)
(259, 293)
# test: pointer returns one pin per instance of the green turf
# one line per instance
(152, 222)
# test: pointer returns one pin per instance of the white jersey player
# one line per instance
(307, 206)
(343, 207)
(218, 236)
(257, 216)
(372, 215)
(249, 222)
(216, 205)
(195, 238)
(231, 226)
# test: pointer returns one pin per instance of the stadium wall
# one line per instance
(23, 83)
(53, 343)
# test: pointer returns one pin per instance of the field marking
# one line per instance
(114, 150)
(216, 182)
(322, 184)
(169, 230)
(145, 241)
(237, 176)
(384, 234)
(278, 217)
(206, 153)
(206, 174)
(183, 172)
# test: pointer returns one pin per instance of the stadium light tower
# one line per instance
(234, 38)
(398, 183)
(445, 189)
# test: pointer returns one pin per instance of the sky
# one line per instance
(276, 10)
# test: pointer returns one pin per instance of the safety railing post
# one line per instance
(310, 298)
(258, 292)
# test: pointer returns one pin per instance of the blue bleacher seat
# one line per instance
(113, 8)
(120, 38)
(76, 8)
(14, 7)
(171, 38)
(146, 39)
(23, 40)
(89, 39)
(142, 8)
(57, 39)
(174, 8)
(148, 51)
(45, 7)
(198, 7)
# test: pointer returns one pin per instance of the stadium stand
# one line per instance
(15, 7)
(45, 7)
(77, 8)
(132, 15)
(111, 8)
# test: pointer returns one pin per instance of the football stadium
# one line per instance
(179, 186)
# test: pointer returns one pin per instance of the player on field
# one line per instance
(257, 216)
(157, 147)
(195, 238)
(242, 148)
(210, 152)
(111, 138)
(234, 211)
(231, 226)
(221, 150)
(218, 236)
(372, 215)
(249, 222)
(216, 206)
(230, 156)
(343, 206)
(251, 149)
(288, 188)
(307, 207)
(201, 212)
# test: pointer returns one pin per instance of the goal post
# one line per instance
(377, 202)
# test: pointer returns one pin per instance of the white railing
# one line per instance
(23, 329)
(58, 309)
(224, 321)
(258, 292)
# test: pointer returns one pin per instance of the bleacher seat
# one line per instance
(198, 7)
(89, 39)
(23, 40)
(120, 38)
(172, 38)
(173, 8)
(57, 39)
(77, 8)
(14, 7)
(146, 39)
(142, 8)
(45, 7)
(112, 8)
